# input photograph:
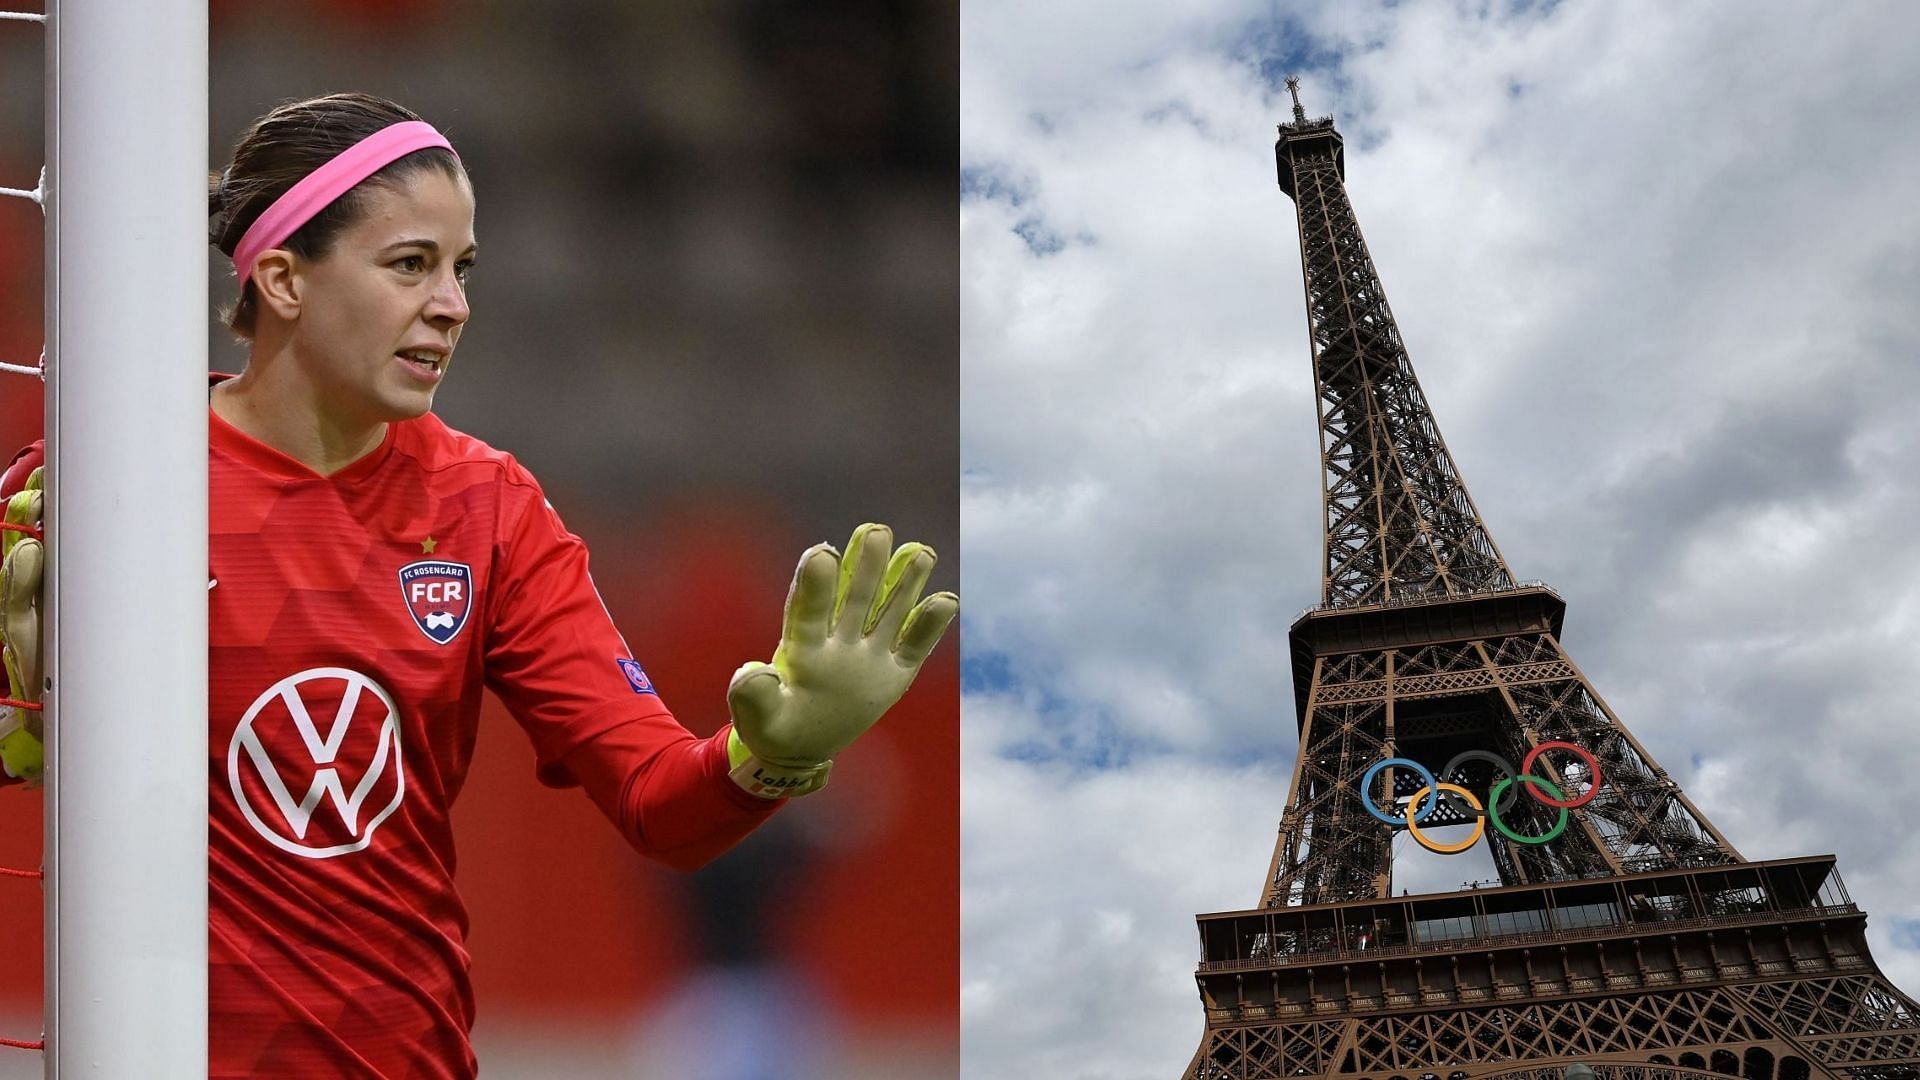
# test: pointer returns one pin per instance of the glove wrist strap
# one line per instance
(767, 780)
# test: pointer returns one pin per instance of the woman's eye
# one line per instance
(412, 262)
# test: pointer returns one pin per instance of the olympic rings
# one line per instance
(1479, 821)
(1490, 758)
(1526, 766)
(1500, 796)
(1367, 782)
(1493, 797)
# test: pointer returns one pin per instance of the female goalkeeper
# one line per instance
(372, 570)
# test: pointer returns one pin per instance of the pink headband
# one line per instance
(330, 181)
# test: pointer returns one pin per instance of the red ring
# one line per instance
(1593, 765)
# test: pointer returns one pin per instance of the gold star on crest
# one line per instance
(427, 545)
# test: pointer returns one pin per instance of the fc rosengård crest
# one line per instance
(439, 595)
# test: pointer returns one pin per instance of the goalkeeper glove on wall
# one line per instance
(20, 595)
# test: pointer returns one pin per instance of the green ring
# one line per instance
(1493, 809)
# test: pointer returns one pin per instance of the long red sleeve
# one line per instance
(555, 658)
(674, 804)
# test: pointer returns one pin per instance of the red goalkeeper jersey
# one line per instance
(353, 621)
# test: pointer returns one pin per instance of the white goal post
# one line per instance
(126, 642)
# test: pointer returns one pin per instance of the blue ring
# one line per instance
(1433, 785)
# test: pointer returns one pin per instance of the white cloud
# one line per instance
(1111, 917)
(1655, 265)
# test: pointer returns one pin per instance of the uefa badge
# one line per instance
(636, 676)
(438, 596)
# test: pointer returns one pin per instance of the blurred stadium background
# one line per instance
(716, 314)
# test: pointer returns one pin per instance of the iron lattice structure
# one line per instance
(1637, 941)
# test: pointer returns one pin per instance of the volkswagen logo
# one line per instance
(355, 761)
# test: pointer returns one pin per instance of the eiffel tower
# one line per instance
(1636, 942)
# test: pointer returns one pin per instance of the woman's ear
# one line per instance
(275, 285)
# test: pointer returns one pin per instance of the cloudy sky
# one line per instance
(1657, 268)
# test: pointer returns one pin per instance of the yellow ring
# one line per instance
(1479, 821)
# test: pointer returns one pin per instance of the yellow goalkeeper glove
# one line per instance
(20, 580)
(852, 641)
